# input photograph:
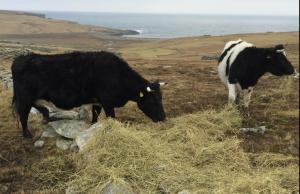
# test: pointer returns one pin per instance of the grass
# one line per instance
(198, 149)
(147, 53)
(190, 152)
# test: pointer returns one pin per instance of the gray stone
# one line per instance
(83, 114)
(63, 144)
(116, 188)
(68, 128)
(39, 144)
(259, 130)
(68, 115)
(34, 111)
(49, 132)
(83, 137)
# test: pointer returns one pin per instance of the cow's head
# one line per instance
(277, 61)
(150, 101)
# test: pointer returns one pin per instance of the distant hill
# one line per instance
(22, 13)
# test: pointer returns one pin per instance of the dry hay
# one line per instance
(191, 153)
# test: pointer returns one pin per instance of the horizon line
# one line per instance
(154, 13)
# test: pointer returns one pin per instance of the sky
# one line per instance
(233, 7)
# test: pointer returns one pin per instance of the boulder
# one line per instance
(68, 128)
(67, 115)
(63, 144)
(83, 114)
(39, 144)
(49, 132)
(83, 137)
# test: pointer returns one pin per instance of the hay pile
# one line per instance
(197, 152)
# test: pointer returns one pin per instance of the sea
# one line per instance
(182, 25)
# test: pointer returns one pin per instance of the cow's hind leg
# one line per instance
(23, 111)
(96, 110)
(44, 111)
(109, 111)
(232, 94)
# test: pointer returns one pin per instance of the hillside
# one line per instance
(200, 149)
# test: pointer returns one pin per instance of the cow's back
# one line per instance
(69, 79)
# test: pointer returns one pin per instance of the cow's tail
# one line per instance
(14, 105)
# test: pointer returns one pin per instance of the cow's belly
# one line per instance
(68, 101)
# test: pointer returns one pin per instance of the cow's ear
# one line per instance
(163, 84)
(141, 94)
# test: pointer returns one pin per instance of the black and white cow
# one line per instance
(74, 79)
(242, 64)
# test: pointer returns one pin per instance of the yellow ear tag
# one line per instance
(141, 94)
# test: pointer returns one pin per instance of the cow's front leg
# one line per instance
(44, 111)
(109, 111)
(232, 94)
(96, 110)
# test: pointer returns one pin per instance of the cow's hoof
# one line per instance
(27, 135)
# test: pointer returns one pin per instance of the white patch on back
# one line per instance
(230, 43)
(233, 53)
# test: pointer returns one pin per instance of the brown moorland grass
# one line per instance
(199, 142)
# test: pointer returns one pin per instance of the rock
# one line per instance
(63, 144)
(34, 111)
(261, 130)
(68, 128)
(39, 144)
(67, 115)
(83, 114)
(83, 137)
(49, 132)
(116, 188)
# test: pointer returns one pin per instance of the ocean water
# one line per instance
(172, 25)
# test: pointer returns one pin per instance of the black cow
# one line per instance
(242, 64)
(74, 79)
